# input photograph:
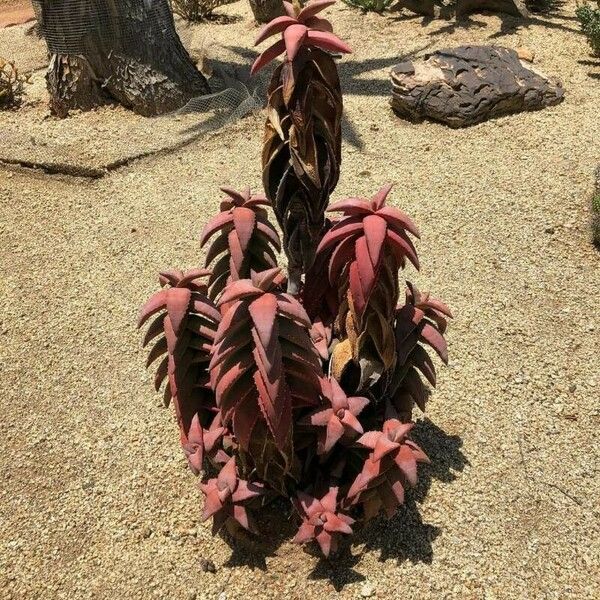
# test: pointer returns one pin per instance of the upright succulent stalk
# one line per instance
(263, 366)
(183, 330)
(302, 146)
(243, 239)
(365, 249)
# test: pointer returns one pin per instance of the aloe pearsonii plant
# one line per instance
(309, 396)
(263, 406)
(302, 147)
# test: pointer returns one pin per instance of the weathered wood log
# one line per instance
(128, 51)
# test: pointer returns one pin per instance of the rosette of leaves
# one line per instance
(364, 251)
(322, 520)
(264, 366)
(183, 332)
(244, 240)
(337, 418)
(302, 145)
(388, 470)
(227, 497)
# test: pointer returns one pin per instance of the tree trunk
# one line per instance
(124, 50)
(266, 10)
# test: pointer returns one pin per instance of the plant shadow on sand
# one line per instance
(404, 537)
(595, 64)
(235, 75)
(544, 13)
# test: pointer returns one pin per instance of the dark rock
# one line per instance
(406, 68)
(470, 84)
(207, 565)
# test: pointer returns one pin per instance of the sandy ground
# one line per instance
(15, 12)
(95, 498)
(92, 143)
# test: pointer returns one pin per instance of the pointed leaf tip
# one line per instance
(271, 53)
(327, 41)
(294, 36)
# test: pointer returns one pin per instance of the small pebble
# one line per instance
(207, 565)
(367, 590)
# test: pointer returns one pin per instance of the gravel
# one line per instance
(95, 497)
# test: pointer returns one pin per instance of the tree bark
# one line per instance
(266, 10)
(123, 50)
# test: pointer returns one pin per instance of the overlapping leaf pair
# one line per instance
(302, 146)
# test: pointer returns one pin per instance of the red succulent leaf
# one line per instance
(270, 54)
(194, 448)
(203, 442)
(320, 335)
(302, 29)
(294, 36)
(321, 520)
(326, 41)
(378, 200)
(277, 25)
